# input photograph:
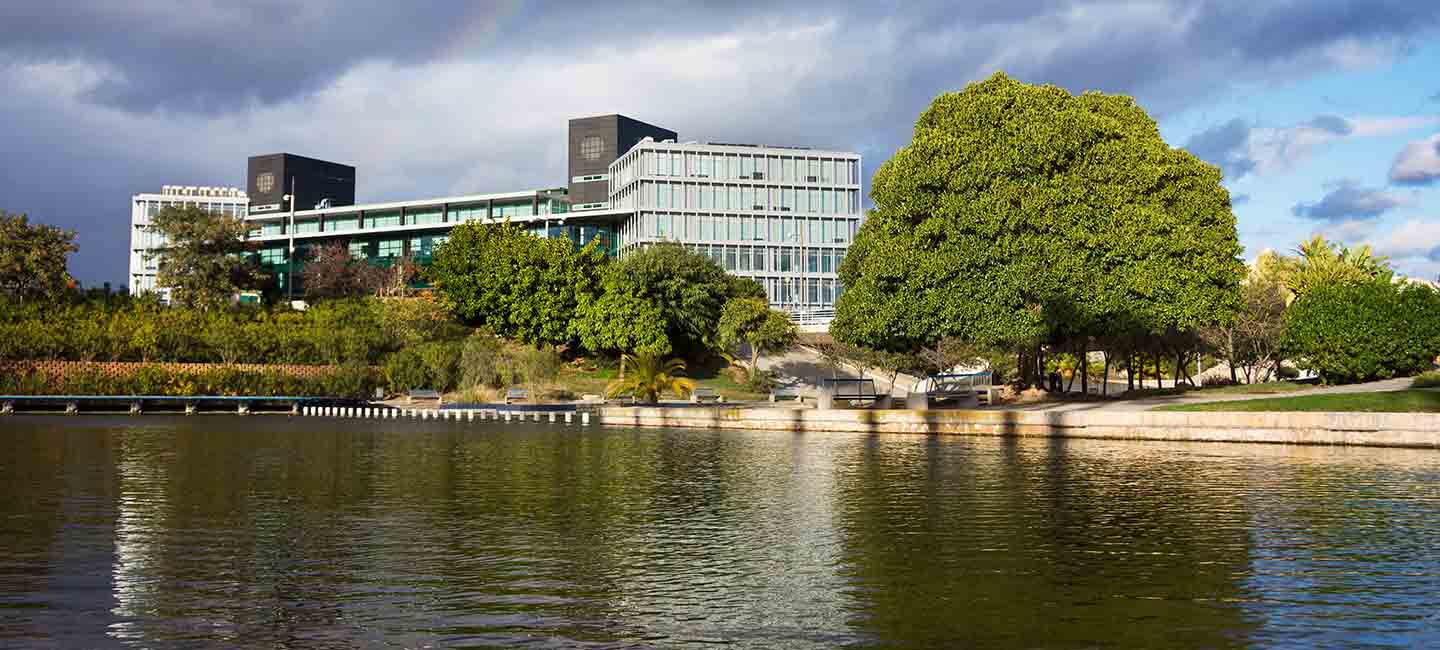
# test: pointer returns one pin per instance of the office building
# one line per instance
(782, 215)
(144, 242)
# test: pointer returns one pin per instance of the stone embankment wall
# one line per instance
(119, 369)
(1420, 430)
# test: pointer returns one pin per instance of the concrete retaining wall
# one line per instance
(1363, 429)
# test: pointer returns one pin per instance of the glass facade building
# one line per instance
(384, 232)
(782, 216)
(145, 242)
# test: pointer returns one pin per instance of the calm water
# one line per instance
(264, 531)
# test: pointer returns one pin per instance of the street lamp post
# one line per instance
(290, 259)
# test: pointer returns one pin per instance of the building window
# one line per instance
(391, 248)
(265, 182)
(591, 146)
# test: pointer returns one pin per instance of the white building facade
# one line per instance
(782, 216)
(144, 240)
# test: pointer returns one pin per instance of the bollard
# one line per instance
(585, 418)
(190, 408)
(135, 408)
(470, 416)
(507, 416)
(568, 417)
(552, 416)
(537, 416)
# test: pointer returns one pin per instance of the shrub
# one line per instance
(1216, 381)
(442, 364)
(485, 361)
(405, 370)
(1426, 380)
(1287, 372)
(1366, 331)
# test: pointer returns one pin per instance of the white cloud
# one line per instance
(1281, 149)
(1351, 231)
(1418, 163)
(1414, 238)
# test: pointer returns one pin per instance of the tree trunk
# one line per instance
(1159, 372)
(1230, 356)
(1105, 377)
(1085, 368)
(1129, 369)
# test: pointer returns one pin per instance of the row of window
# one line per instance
(778, 167)
(153, 208)
(390, 218)
(747, 198)
(807, 292)
(760, 259)
(419, 247)
(743, 228)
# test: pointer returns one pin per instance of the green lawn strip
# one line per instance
(1398, 401)
(1265, 388)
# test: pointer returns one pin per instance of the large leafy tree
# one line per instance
(662, 290)
(751, 321)
(1023, 214)
(32, 257)
(516, 284)
(203, 261)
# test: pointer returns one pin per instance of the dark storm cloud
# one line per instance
(885, 63)
(1349, 200)
(215, 57)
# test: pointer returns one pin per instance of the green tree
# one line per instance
(513, 283)
(662, 288)
(1319, 262)
(645, 376)
(751, 321)
(1349, 331)
(204, 261)
(32, 257)
(1022, 214)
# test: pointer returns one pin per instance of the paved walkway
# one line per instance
(1202, 396)
(801, 367)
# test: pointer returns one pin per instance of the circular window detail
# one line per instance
(264, 183)
(591, 146)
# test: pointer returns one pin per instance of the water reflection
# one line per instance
(158, 532)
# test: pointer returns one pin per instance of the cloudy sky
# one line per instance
(1324, 115)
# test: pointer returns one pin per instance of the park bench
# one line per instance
(784, 393)
(702, 395)
(422, 394)
(851, 390)
(962, 386)
(516, 394)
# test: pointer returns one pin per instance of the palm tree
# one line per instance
(645, 376)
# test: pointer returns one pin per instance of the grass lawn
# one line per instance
(1397, 401)
(1267, 388)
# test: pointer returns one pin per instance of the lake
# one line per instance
(306, 532)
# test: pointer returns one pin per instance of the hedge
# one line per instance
(348, 381)
(1364, 332)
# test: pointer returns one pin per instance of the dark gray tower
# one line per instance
(595, 142)
(268, 181)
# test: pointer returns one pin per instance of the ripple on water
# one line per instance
(161, 532)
